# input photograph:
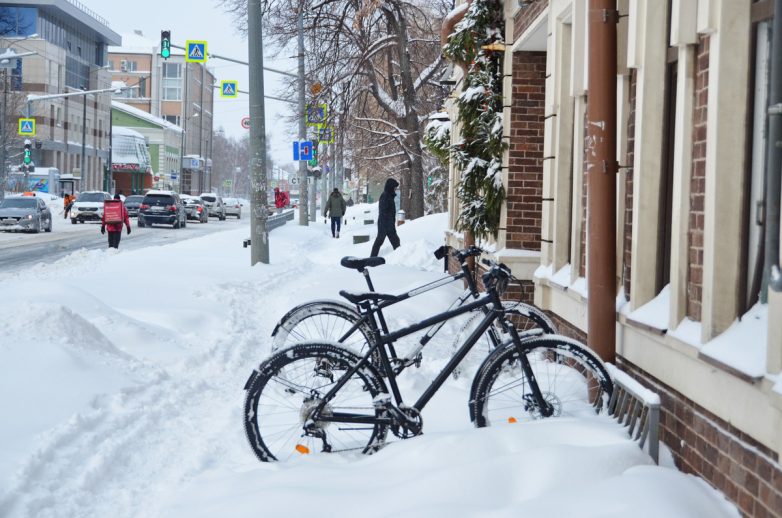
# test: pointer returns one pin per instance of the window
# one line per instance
(172, 81)
(173, 119)
(18, 21)
(142, 87)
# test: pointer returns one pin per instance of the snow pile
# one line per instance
(121, 377)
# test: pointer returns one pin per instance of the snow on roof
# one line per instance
(128, 132)
(141, 114)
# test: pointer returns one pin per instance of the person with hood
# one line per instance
(279, 199)
(115, 229)
(335, 207)
(386, 218)
(67, 204)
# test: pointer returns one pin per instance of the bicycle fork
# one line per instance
(546, 410)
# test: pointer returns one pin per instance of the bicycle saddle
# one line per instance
(355, 263)
(357, 298)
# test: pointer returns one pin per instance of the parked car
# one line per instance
(132, 203)
(89, 206)
(162, 208)
(233, 207)
(25, 213)
(195, 208)
(215, 205)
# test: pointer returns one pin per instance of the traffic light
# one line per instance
(165, 44)
(28, 153)
(314, 161)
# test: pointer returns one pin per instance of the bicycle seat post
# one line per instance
(367, 278)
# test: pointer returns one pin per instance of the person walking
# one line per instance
(114, 228)
(67, 203)
(386, 221)
(279, 199)
(335, 207)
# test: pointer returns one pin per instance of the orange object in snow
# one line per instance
(512, 420)
(302, 449)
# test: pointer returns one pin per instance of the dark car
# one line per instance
(162, 208)
(195, 209)
(25, 213)
(132, 203)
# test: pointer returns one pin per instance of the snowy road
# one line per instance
(128, 402)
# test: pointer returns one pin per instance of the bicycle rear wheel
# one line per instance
(322, 320)
(286, 389)
(572, 380)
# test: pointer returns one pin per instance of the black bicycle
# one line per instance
(318, 396)
(329, 320)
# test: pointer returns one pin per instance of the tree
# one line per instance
(377, 61)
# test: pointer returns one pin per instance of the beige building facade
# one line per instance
(692, 96)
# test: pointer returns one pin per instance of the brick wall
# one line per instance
(698, 181)
(627, 252)
(523, 291)
(525, 166)
(524, 17)
(703, 444)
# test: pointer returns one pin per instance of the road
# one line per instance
(18, 251)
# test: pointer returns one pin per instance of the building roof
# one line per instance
(136, 43)
(141, 114)
(78, 13)
(126, 132)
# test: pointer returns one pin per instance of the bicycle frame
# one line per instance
(495, 313)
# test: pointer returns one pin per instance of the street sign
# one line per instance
(229, 89)
(246, 122)
(295, 180)
(27, 127)
(196, 51)
(316, 87)
(173, 176)
(302, 151)
(326, 134)
(316, 114)
(227, 183)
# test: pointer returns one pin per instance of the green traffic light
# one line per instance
(27, 157)
(165, 44)
(166, 53)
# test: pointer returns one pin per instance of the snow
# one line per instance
(121, 376)
(145, 116)
(654, 313)
(743, 345)
(562, 277)
(647, 396)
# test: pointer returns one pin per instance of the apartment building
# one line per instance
(181, 93)
(71, 44)
(692, 97)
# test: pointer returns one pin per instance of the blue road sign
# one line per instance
(195, 51)
(302, 151)
(229, 88)
(27, 127)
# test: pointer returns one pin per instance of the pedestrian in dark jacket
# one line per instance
(335, 207)
(386, 218)
(115, 229)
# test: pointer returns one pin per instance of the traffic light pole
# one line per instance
(259, 240)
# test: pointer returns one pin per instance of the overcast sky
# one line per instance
(206, 20)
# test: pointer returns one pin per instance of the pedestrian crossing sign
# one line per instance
(229, 88)
(196, 51)
(316, 114)
(326, 134)
(27, 127)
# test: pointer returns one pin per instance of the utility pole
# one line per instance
(313, 185)
(303, 194)
(259, 238)
(3, 137)
(601, 172)
(84, 137)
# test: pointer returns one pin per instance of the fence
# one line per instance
(274, 221)
(638, 409)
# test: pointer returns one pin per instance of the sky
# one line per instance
(207, 20)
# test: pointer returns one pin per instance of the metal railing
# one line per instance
(637, 409)
(89, 11)
(274, 221)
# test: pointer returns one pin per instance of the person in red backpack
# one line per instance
(115, 229)
(279, 199)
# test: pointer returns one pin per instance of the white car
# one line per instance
(89, 206)
(233, 207)
(215, 204)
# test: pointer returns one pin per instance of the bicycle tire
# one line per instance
(584, 388)
(321, 320)
(280, 396)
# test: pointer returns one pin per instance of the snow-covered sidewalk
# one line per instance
(121, 378)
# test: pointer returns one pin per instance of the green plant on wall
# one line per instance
(478, 152)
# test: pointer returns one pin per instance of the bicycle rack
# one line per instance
(638, 409)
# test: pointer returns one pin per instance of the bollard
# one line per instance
(360, 239)
(400, 218)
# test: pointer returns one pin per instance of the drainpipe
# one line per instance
(774, 161)
(601, 172)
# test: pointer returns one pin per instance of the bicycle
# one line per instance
(322, 394)
(340, 322)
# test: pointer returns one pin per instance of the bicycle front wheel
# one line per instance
(571, 379)
(283, 394)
